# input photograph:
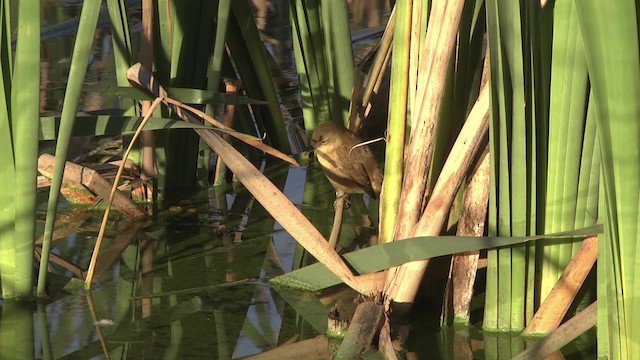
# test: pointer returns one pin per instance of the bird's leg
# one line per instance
(340, 196)
(338, 205)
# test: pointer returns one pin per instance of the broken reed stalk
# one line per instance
(385, 346)
(78, 175)
(472, 223)
(365, 325)
(114, 188)
(403, 281)
(271, 198)
(555, 305)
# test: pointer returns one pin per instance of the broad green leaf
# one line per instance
(24, 124)
(610, 32)
(376, 258)
(7, 165)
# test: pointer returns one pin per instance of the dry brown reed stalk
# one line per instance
(403, 281)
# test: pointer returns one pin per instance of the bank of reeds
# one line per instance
(560, 106)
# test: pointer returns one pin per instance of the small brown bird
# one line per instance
(349, 169)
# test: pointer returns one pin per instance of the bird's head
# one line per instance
(326, 135)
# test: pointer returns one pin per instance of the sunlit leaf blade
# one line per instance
(7, 168)
(339, 54)
(317, 276)
(397, 123)
(24, 123)
(510, 143)
(613, 61)
(567, 119)
(122, 48)
(310, 61)
(218, 53)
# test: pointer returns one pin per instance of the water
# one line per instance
(192, 283)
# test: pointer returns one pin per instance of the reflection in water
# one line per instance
(57, 45)
(365, 12)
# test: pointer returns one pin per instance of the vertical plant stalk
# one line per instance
(24, 125)
(394, 157)
(472, 223)
(310, 62)
(121, 40)
(514, 152)
(567, 138)
(404, 280)
(214, 69)
(338, 40)
(148, 168)
(613, 62)
(213, 76)
(415, 39)
(441, 35)
(435, 61)
(232, 88)
(77, 72)
(7, 163)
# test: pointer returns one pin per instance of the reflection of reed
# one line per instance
(16, 330)
(314, 348)
(47, 352)
(148, 249)
(364, 12)
(262, 12)
(94, 316)
(44, 80)
(109, 256)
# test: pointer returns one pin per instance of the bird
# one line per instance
(349, 168)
